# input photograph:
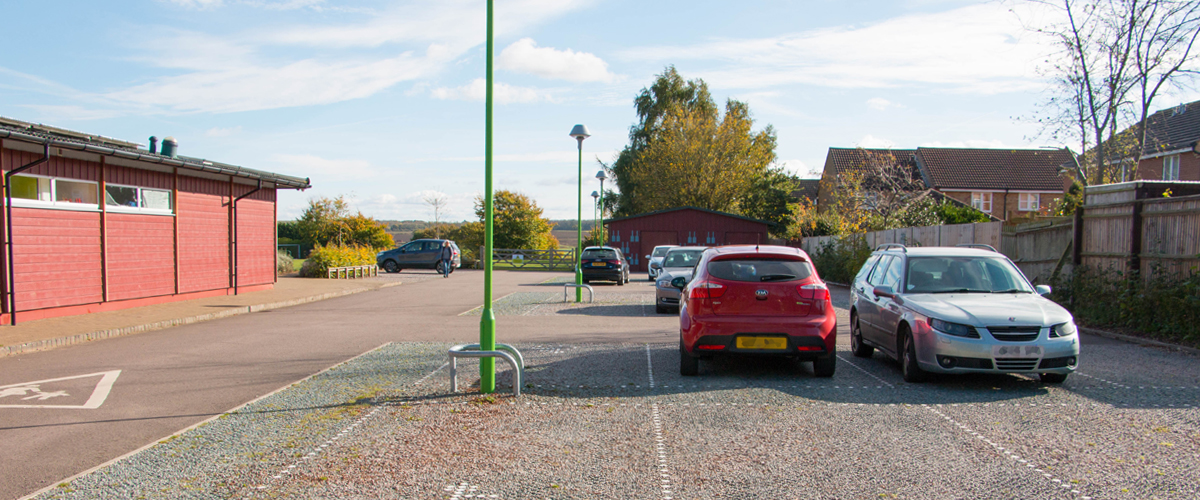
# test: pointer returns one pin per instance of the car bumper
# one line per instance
(950, 354)
(603, 274)
(666, 297)
(654, 273)
(809, 332)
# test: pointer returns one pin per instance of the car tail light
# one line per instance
(813, 292)
(810, 348)
(614, 262)
(707, 290)
(710, 347)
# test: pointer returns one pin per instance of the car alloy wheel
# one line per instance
(689, 366)
(859, 348)
(391, 266)
(908, 361)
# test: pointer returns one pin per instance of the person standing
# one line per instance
(447, 259)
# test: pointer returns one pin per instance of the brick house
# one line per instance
(1003, 183)
(1172, 150)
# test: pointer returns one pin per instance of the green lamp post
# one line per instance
(487, 320)
(600, 175)
(580, 133)
(595, 210)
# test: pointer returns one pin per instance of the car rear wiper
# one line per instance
(776, 277)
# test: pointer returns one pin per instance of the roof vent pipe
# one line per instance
(170, 147)
(153, 145)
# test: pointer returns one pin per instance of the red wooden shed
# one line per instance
(93, 224)
(637, 235)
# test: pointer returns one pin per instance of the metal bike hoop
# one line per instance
(503, 351)
(591, 293)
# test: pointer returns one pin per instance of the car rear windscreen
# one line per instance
(599, 253)
(758, 270)
(682, 258)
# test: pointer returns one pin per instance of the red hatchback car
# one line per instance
(756, 300)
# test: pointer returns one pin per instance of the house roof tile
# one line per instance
(841, 160)
(1173, 129)
(1020, 169)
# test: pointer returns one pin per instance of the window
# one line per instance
(120, 198)
(46, 192)
(757, 270)
(982, 202)
(1028, 202)
(866, 268)
(1171, 168)
(876, 277)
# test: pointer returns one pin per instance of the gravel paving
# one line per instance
(618, 421)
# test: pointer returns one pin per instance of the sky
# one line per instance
(382, 101)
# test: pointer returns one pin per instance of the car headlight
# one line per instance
(1063, 330)
(378, 255)
(664, 284)
(955, 329)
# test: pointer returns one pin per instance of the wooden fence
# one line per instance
(1122, 227)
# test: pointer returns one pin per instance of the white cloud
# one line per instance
(197, 4)
(524, 56)
(871, 142)
(223, 132)
(976, 49)
(881, 104)
(315, 167)
(971, 143)
(797, 167)
(459, 206)
(560, 181)
(61, 113)
(503, 93)
(569, 156)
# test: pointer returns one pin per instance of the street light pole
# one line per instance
(595, 210)
(580, 133)
(487, 320)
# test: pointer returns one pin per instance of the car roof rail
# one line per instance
(977, 245)
(886, 246)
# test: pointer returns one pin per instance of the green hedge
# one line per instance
(324, 257)
(841, 258)
(1165, 307)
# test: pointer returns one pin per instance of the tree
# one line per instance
(437, 202)
(321, 223)
(770, 198)
(880, 191)
(517, 222)
(367, 232)
(1115, 58)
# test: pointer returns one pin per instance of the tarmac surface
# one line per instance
(604, 412)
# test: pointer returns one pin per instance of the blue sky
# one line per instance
(382, 101)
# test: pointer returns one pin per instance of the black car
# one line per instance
(604, 264)
(417, 254)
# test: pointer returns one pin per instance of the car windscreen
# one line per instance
(600, 253)
(682, 258)
(660, 251)
(963, 275)
(757, 270)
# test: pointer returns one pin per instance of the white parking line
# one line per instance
(660, 455)
(1081, 374)
(869, 374)
(649, 366)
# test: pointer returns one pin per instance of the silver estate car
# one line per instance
(679, 262)
(958, 310)
(654, 260)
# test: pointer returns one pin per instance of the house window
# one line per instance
(1171, 168)
(120, 198)
(46, 192)
(1028, 202)
(982, 202)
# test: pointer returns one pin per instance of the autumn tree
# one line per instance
(517, 222)
(329, 221)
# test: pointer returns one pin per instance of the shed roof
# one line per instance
(62, 138)
(969, 168)
(715, 212)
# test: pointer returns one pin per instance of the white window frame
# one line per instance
(1170, 168)
(1029, 202)
(140, 200)
(52, 203)
(982, 201)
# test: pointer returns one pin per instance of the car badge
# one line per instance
(762, 294)
(1010, 318)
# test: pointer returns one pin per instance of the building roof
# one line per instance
(716, 212)
(840, 160)
(1017, 169)
(808, 188)
(1173, 129)
(61, 138)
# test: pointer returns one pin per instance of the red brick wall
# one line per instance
(1045, 201)
(1152, 169)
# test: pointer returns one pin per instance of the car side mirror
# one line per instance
(885, 291)
(679, 282)
(1043, 290)
(647, 256)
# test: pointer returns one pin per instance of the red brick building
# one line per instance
(1172, 150)
(637, 235)
(93, 224)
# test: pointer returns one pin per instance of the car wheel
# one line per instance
(689, 366)
(1053, 378)
(620, 281)
(391, 266)
(824, 367)
(439, 267)
(860, 349)
(660, 309)
(908, 361)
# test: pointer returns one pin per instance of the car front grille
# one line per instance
(1015, 333)
(668, 300)
(1016, 364)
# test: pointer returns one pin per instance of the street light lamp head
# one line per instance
(600, 175)
(595, 194)
(580, 132)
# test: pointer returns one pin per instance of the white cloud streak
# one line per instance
(503, 93)
(524, 56)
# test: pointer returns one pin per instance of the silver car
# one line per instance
(959, 310)
(654, 260)
(678, 262)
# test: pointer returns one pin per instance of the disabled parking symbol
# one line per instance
(79, 392)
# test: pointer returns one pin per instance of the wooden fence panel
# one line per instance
(1038, 247)
(1170, 235)
(928, 236)
(1106, 236)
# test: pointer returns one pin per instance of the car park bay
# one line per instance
(605, 414)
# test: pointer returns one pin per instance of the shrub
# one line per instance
(1164, 306)
(841, 258)
(283, 263)
(324, 257)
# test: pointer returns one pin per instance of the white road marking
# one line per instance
(33, 391)
(649, 366)
(660, 454)
(869, 374)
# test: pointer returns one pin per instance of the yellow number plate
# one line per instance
(762, 343)
(598, 264)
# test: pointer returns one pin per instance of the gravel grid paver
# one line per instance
(618, 421)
